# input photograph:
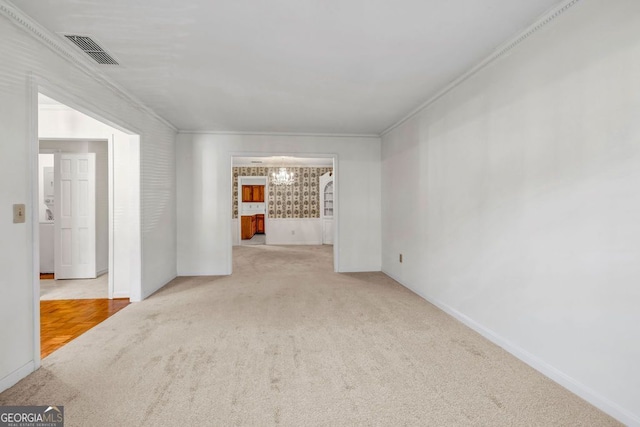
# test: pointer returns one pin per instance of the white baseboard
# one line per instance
(605, 405)
(101, 272)
(15, 376)
(121, 295)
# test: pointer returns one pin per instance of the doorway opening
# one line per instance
(252, 202)
(63, 274)
(86, 221)
(281, 200)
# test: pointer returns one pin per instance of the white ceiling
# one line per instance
(325, 66)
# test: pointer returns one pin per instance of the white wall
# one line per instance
(294, 231)
(204, 196)
(235, 231)
(102, 191)
(24, 58)
(47, 247)
(515, 200)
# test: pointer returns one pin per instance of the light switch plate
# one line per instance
(18, 213)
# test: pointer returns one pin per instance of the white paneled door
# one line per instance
(75, 216)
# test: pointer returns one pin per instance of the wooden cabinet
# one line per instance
(250, 225)
(260, 224)
(258, 193)
(253, 193)
(247, 193)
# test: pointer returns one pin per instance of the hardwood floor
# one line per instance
(64, 320)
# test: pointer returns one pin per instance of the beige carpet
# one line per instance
(285, 341)
(257, 239)
(75, 289)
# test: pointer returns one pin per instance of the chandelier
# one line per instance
(282, 177)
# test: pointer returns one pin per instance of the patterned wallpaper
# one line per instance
(300, 200)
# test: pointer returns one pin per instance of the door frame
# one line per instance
(39, 84)
(110, 190)
(336, 193)
(266, 203)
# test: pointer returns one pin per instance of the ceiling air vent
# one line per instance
(92, 49)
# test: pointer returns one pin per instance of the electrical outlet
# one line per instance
(18, 213)
(401, 258)
(293, 232)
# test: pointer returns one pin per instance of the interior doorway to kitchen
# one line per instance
(278, 200)
(252, 196)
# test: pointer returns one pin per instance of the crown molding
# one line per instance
(538, 24)
(55, 44)
(329, 135)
